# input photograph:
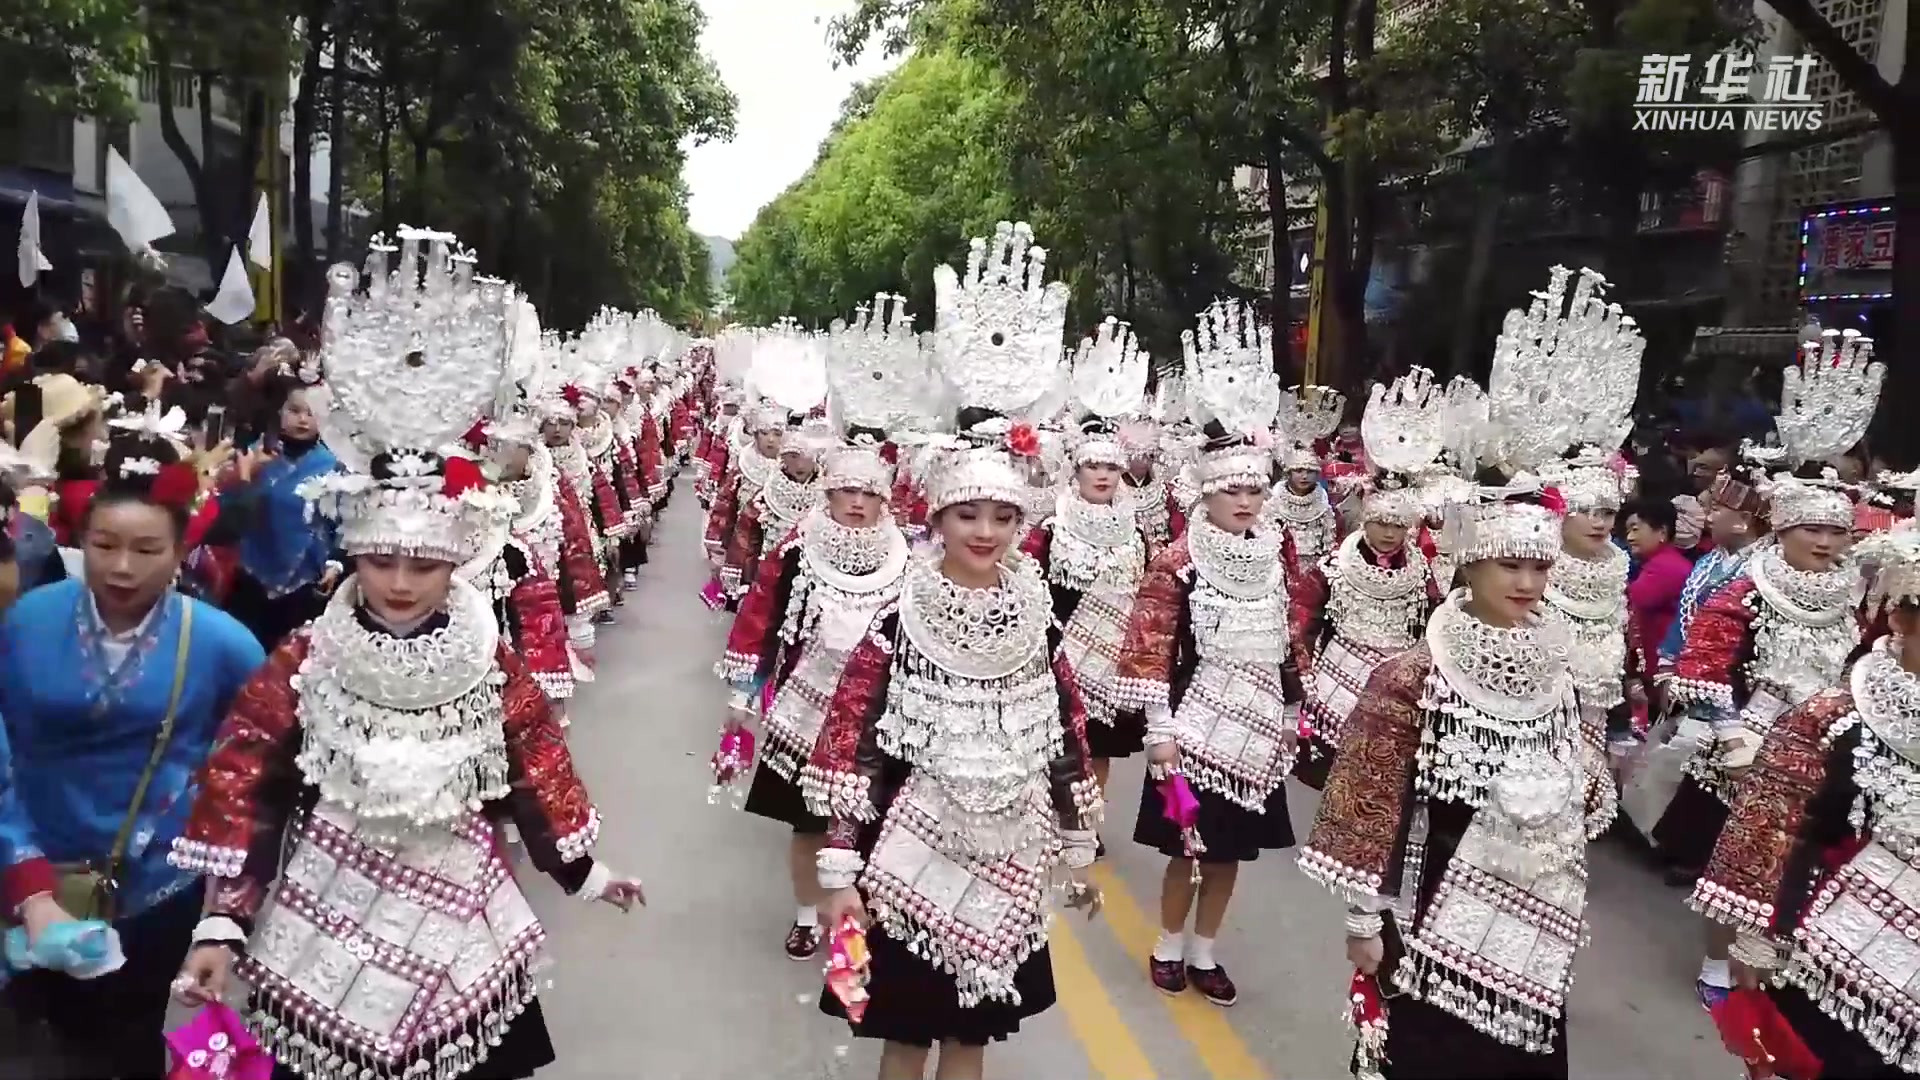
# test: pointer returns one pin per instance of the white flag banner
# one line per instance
(234, 301)
(133, 209)
(260, 236)
(31, 260)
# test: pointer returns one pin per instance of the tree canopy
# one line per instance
(550, 134)
(1125, 124)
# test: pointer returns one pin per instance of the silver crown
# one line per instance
(1229, 369)
(1312, 413)
(1828, 400)
(998, 325)
(419, 356)
(1565, 372)
(1403, 425)
(876, 365)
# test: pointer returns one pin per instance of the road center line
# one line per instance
(1111, 1048)
(1214, 1041)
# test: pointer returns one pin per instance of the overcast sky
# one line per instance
(773, 54)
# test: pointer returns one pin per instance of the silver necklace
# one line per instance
(1589, 589)
(1308, 509)
(1512, 673)
(1244, 566)
(849, 558)
(979, 634)
(787, 500)
(1811, 597)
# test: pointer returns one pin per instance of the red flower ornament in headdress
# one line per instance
(176, 485)
(1023, 440)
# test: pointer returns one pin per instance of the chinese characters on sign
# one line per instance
(1732, 94)
(1846, 253)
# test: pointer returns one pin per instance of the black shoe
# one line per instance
(1169, 976)
(1214, 985)
(803, 942)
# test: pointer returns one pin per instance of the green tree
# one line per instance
(76, 56)
(895, 193)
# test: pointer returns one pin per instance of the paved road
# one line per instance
(696, 987)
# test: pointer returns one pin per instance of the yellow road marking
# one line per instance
(1214, 1041)
(1110, 1046)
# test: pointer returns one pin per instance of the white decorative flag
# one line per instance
(234, 301)
(133, 209)
(260, 236)
(31, 259)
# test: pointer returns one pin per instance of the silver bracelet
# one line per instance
(1364, 925)
(838, 868)
(1078, 847)
(218, 930)
(1755, 952)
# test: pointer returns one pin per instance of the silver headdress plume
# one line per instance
(997, 344)
(1565, 373)
(1404, 430)
(877, 370)
(1230, 380)
(1109, 376)
(412, 363)
(1826, 403)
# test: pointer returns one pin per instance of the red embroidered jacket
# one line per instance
(582, 582)
(250, 785)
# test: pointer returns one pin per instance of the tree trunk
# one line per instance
(213, 228)
(1279, 259)
(1486, 225)
(190, 163)
(337, 142)
(420, 149)
(386, 160)
(304, 107)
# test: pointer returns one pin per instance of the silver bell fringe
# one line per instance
(311, 1044)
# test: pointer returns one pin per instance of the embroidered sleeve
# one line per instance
(753, 642)
(742, 550)
(1035, 546)
(1176, 517)
(549, 804)
(1705, 674)
(1307, 596)
(1076, 794)
(1603, 798)
(1358, 837)
(1757, 880)
(720, 519)
(542, 633)
(588, 585)
(24, 871)
(1144, 674)
(837, 781)
(248, 785)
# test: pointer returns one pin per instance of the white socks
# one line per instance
(1200, 953)
(1714, 973)
(1195, 950)
(806, 915)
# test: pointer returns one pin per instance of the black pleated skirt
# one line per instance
(1122, 738)
(1231, 832)
(915, 1003)
(1686, 833)
(779, 799)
